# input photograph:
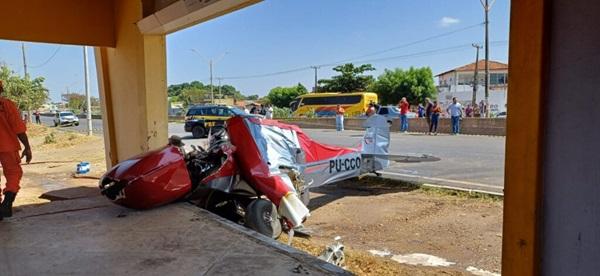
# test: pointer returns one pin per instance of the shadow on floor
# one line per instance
(366, 186)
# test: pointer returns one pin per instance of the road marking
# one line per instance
(443, 180)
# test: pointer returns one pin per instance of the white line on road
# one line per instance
(443, 180)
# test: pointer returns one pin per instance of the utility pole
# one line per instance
(486, 7)
(210, 66)
(475, 77)
(212, 95)
(316, 88)
(87, 91)
(24, 60)
(220, 95)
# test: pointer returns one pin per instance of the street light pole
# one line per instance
(87, 91)
(475, 77)
(486, 7)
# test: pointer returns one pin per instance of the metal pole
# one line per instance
(87, 92)
(220, 95)
(24, 60)
(212, 95)
(487, 59)
(316, 88)
(475, 77)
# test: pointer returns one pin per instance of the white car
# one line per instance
(65, 118)
(501, 115)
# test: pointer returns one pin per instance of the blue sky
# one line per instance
(278, 35)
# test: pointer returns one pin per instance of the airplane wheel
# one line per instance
(262, 217)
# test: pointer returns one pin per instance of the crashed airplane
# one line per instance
(256, 172)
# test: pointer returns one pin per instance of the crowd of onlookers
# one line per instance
(259, 109)
(430, 110)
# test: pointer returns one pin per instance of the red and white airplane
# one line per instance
(256, 171)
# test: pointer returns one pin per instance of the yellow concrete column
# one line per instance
(133, 87)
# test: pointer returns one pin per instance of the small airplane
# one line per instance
(256, 172)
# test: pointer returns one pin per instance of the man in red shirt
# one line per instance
(403, 105)
(12, 130)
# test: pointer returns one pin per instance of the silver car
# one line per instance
(65, 118)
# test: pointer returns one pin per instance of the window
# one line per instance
(383, 111)
(498, 78)
(195, 112)
(352, 99)
(224, 112)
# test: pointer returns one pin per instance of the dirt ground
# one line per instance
(383, 215)
(368, 214)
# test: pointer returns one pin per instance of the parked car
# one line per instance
(391, 113)
(64, 118)
(501, 115)
(201, 119)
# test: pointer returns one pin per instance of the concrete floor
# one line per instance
(91, 236)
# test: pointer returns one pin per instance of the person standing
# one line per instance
(269, 111)
(38, 120)
(339, 118)
(428, 111)
(455, 111)
(469, 111)
(404, 106)
(421, 111)
(436, 110)
(12, 130)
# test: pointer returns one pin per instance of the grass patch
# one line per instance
(377, 185)
(50, 139)
(435, 191)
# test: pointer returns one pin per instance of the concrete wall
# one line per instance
(473, 126)
(571, 172)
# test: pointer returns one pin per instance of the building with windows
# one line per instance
(458, 83)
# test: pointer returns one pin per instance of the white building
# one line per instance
(458, 83)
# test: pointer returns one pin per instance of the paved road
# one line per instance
(96, 125)
(468, 162)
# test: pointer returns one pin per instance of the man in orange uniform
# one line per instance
(12, 130)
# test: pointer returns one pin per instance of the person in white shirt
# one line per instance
(269, 112)
(455, 111)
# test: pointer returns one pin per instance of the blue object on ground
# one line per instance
(83, 167)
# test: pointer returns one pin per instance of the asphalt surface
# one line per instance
(470, 162)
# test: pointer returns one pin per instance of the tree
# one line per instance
(75, 101)
(28, 94)
(282, 96)
(351, 79)
(174, 90)
(252, 97)
(193, 95)
(415, 84)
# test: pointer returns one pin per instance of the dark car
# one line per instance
(200, 119)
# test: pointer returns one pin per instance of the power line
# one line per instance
(409, 43)
(49, 59)
(357, 57)
(418, 54)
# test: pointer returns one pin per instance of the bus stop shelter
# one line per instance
(551, 221)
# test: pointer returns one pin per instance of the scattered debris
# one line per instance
(481, 272)
(379, 253)
(421, 259)
(83, 167)
(334, 253)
